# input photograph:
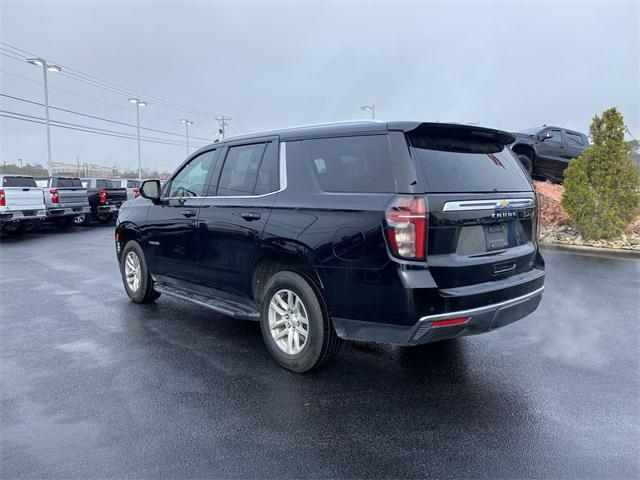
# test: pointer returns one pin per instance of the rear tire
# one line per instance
(292, 309)
(29, 226)
(12, 228)
(526, 162)
(63, 223)
(81, 219)
(135, 276)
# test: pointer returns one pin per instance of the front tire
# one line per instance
(135, 276)
(295, 325)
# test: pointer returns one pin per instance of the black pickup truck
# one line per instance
(104, 198)
(546, 151)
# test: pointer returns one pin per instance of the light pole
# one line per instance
(371, 108)
(138, 103)
(186, 126)
(46, 67)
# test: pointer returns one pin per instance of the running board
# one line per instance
(225, 307)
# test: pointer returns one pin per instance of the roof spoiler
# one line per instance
(454, 129)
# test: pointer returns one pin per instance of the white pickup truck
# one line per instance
(21, 204)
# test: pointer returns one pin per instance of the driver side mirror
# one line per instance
(150, 189)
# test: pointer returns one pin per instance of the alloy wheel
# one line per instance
(132, 271)
(288, 322)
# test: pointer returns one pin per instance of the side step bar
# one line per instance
(225, 307)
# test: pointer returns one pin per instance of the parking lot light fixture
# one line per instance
(371, 108)
(138, 103)
(46, 67)
(186, 123)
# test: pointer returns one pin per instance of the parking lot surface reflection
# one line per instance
(94, 386)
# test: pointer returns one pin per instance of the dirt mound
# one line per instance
(550, 196)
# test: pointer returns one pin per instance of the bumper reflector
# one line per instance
(450, 322)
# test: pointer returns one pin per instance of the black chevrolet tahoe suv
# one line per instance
(546, 151)
(400, 232)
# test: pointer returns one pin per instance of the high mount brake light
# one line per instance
(55, 197)
(407, 227)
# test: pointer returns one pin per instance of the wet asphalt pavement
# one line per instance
(93, 386)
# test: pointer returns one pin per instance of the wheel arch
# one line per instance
(525, 149)
(124, 233)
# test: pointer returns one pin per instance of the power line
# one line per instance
(93, 99)
(85, 128)
(98, 118)
(110, 86)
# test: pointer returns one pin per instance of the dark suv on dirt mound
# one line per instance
(400, 232)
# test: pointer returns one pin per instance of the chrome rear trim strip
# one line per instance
(476, 311)
(491, 204)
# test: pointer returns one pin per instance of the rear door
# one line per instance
(481, 220)
(170, 233)
(235, 213)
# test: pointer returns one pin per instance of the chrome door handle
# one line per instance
(249, 216)
(189, 213)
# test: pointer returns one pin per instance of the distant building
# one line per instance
(81, 170)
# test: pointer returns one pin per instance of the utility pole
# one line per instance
(78, 162)
(222, 124)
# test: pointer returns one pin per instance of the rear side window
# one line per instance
(459, 164)
(351, 164)
(268, 175)
(18, 182)
(240, 171)
(68, 183)
(574, 139)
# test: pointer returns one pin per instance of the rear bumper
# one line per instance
(56, 212)
(7, 216)
(107, 208)
(432, 328)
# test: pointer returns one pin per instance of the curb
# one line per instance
(599, 251)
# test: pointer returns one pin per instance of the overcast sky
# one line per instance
(267, 65)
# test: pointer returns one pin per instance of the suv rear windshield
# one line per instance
(69, 183)
(18, 182)
(458, 164)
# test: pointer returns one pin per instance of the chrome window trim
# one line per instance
(466, 205)
(476, 311)
(282, 180)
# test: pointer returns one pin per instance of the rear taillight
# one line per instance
(407, 227)
(55, 198)
(536, 221)
(3, 202)
(102, 195)
(136, 192)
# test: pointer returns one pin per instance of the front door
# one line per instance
(171, 239)
(551, 154)
(233, 218)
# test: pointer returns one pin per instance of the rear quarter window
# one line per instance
(18, 182)
(358, 164)
(459, 164)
